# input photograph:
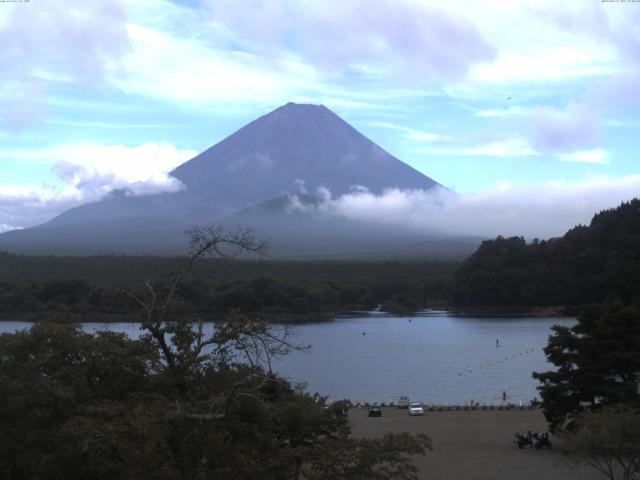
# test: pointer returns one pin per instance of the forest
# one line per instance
(88, 287)
(588, 264)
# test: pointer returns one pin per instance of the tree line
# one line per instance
(588, 264)
(86, 288)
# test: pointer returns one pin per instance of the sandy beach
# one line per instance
(474, 445)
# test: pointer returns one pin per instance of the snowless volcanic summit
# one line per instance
(297, 147)
(295, 143)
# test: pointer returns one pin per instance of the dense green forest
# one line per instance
(32, 287)
(588, 264)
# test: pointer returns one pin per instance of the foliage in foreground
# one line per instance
(102, 406)
(177, 403)
(607, 440)
(592, 399)
(598, 364)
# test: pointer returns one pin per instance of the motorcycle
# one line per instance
(541, 441)
(523, 440)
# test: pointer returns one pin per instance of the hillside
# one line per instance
(588, 264)
(292, 150)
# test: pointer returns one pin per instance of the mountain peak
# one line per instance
(295, 149)
(306, 106)
(295, 144)
(300, 111)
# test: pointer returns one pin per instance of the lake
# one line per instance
(434, 357)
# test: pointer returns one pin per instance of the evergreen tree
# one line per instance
(588, 264)
(598, 364)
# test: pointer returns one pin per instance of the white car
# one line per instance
(416, 409)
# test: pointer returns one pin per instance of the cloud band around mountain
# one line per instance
(541, 210)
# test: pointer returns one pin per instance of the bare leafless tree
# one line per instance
(182, 341)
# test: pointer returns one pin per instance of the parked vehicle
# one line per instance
(375, 411)
(416, 409)
(523, 440)
(535, 440)
(403, 402)
(542, 440)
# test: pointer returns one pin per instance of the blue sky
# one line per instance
(497, 100)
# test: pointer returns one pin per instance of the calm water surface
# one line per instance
(434, 357)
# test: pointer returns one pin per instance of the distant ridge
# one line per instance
(295, 148)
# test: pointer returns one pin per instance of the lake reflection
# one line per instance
(433, 357)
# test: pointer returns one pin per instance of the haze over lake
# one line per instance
(435, 357)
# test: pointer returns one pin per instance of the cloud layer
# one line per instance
(577, 128)
(542, 210)
(56, 41)
(412, 39)
(86, 172)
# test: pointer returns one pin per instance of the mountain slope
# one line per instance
(294, 148)
(299, 228)
(294, 144)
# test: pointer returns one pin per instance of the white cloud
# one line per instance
(86, 172)
(412, 133)
(169, 67)
(556, 63)
(597, 156)
(513, 111)
(620, 123)
(558, 132)
(428, 137)
(59, 41)
(575, 128)
(534, 47)
(5, 228)
(402, 40)
(511, 147)
(300, 185)
(540, 210)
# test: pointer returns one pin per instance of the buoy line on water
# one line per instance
(496, 362)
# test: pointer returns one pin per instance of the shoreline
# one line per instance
(283, 318)
(504, 311)
(291, 318)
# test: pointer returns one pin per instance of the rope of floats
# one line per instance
(497, 362)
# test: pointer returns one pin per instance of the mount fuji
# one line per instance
(250, 178)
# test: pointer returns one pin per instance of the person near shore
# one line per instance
(504, 396)
(497, 343)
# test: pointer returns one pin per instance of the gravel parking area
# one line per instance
(474, 445)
